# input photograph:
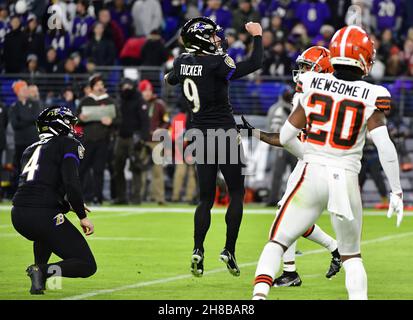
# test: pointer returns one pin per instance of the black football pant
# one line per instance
(95, 160)
(52, 235)
(234, 178)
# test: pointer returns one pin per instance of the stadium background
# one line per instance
(290, 27)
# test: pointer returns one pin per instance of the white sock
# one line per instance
(356, 279)
(268, 266)
(323, 239)
(289, 256)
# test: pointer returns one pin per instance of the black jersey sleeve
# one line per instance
(72, 154)
(253, 63)
(172, 77)
(226, 67)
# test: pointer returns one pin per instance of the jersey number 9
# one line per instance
(191, 94)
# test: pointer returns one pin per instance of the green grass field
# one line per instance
(144, 252)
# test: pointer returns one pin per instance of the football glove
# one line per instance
(245, 124)
(396, 205)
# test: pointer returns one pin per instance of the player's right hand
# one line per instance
(396, 205)
(87, 226)
(253, 28)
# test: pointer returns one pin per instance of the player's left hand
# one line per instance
(245, 124)
(396, 205)
(87, 209)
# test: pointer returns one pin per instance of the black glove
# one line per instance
(245, 124)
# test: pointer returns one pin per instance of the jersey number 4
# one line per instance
(191, 94)
(343, 109)
(32, 165)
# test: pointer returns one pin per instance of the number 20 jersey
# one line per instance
(337, 112)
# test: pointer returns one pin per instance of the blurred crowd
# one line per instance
(80, 34)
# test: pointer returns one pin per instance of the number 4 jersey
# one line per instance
(48, 166)
(337, 112)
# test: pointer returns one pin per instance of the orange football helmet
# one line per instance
(351, 46)
(315, 59)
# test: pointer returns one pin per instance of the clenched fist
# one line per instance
(253, 28)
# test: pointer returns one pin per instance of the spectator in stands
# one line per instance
(215, 11)
(77, 60)
(120, 13)
(244, 14)
(394, 66)
(35, 38)
(158, 119)
(97, 131)
(323, 39)
(407, 53)
(112, 31)
(276, 117)
(34, 94)
(147, 16)
(299, 37)
(131, 54)
(154, 52)
(51, 64)
(69, 99)
(32, 66)
(100, 49)
(15, 47)
(276, 61)
(277, 28)
(387, 15)
(379, 68)
(236, 48)
(82, 25)
(60, 40)
(90, 66)
(313, 14)
(131, 134)
(23, 115)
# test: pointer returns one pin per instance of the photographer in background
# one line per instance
(97, 129)
(132, 130)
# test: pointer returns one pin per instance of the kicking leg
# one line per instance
(289, 277)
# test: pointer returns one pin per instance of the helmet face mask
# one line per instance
(199, 36)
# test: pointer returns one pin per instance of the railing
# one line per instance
(251, 95)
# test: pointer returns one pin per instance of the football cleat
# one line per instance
(197, 263)
(334, 268)
(36, 276)
(227, 258)
(288, 279)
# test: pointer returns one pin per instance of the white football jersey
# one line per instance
(337, 112)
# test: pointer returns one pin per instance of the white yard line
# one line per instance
(131, 210)
(188, 276)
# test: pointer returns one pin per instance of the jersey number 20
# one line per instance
(32, 165)
(191, 94)
(342, 110)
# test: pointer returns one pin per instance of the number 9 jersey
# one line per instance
(337, 112)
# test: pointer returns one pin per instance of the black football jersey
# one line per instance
(205, 80)
(40, 182)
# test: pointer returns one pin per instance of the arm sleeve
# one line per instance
(289, 140)
(171, 78)
(253, 63)
(70, 175)
(388, 157)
